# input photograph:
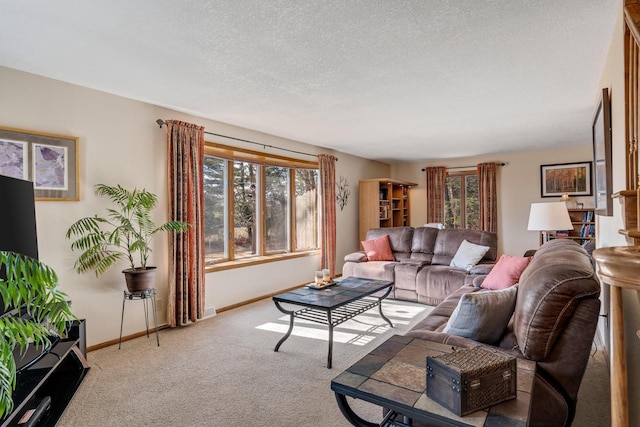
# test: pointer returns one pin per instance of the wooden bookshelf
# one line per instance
(584, 227)
(383, 202)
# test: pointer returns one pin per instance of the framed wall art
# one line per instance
(573, 179)
(602, 155)
(49, 161)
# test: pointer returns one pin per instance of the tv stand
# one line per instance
(44, 389)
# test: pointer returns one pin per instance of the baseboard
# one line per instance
(125, 338)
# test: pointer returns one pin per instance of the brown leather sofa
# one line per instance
(553, 324)
(421, 271)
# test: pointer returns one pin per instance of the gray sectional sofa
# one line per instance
(421, 270)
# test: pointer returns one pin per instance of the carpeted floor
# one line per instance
(223, 372)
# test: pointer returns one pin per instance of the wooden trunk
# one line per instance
(471, 379)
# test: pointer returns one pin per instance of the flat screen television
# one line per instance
(18, 234)
(18, 217)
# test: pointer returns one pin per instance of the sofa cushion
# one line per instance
(423, 243)
(448, 241)
(468, 255)
(482, 316)
(506, 272)
(378, 249)
(434, 283)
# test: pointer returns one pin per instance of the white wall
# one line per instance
(607, 227)
(518, 187)
(120, 143)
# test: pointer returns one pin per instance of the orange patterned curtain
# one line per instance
(488, 196)
(328, 186)
(185, 143)
(435, 193)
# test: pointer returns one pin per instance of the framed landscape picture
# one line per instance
(573, 179)
(49, 161)
(602, 155)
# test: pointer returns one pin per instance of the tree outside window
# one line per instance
(461, 202)
(258, 209)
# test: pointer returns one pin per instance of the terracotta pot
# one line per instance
(139, 280)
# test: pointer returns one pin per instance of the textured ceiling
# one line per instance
(387, 80)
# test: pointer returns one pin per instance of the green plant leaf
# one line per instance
(33, 283)
(127, 230)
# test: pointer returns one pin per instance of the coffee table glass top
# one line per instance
(345, 291)
(394, 376)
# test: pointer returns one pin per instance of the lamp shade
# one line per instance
(549, 216)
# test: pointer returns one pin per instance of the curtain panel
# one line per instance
(328, 187)
(435, 177)
(185, 144)
(488, 196)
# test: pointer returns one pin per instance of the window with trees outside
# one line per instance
(258, 206)
(461, 204)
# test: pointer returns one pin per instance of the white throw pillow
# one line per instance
(483, 316)
(468, 255)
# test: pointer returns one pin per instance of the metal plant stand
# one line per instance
(145, 296)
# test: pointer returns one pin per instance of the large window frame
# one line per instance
(262, 161)
(462, 175)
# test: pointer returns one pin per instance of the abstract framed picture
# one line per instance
(13, 159)
(601, 131)
(50, 161)
(573, 179)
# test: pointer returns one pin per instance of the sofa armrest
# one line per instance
(483, 268)
(359, 256)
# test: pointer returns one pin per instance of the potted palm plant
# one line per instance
(29, 284)
(125, 232)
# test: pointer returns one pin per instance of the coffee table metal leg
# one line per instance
(383, 316)
(330, 356)
(288, 334)
(386, 294)
(351, 416)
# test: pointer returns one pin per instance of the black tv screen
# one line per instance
(18, 234)
(18, 217)
(17, 224)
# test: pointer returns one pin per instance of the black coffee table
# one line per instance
(334, 305)
(394, 376)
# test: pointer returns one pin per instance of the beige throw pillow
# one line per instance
(468, 255)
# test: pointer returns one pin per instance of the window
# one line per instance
(257, 205)
(277, 208)
(461, 204)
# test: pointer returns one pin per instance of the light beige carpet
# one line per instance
(223, 372)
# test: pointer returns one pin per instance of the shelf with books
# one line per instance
(584, 227)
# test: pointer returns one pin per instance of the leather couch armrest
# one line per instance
(484, 268)
(359, 256)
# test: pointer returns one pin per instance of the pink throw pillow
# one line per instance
(506, 272)
(378, 249)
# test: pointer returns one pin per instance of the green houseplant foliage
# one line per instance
(29, 282)
(125, 232)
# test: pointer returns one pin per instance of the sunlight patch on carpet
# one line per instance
(359, 330)
(322, 333)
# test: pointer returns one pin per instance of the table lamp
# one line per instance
(546, 217)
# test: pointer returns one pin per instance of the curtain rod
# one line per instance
(465, 167)
(161, 122)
